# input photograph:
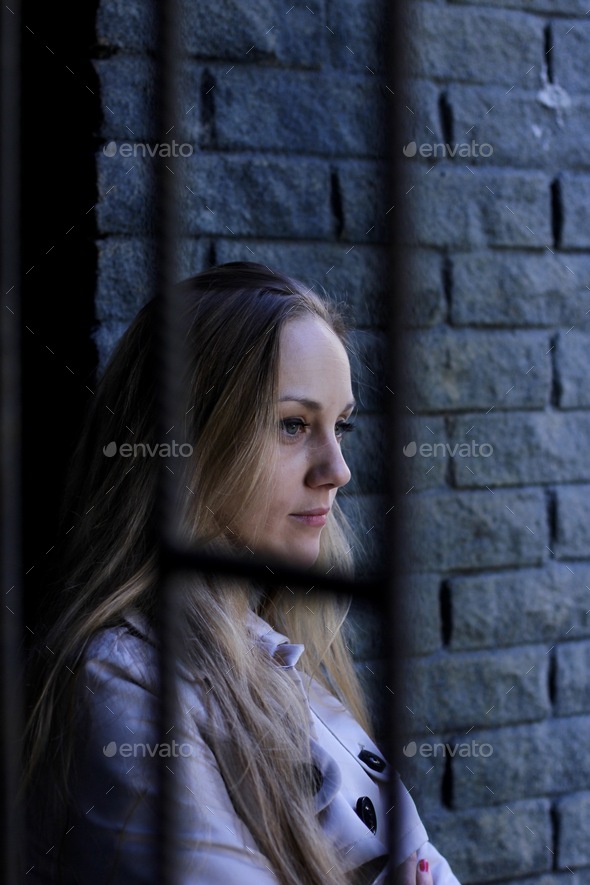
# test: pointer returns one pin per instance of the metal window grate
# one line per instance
(167, 356)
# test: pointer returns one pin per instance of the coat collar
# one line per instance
(276, 644)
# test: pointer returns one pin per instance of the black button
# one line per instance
(372, 760)
(366, 811)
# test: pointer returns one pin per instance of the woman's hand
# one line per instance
(413, 872)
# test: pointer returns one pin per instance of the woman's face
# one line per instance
(315, 401)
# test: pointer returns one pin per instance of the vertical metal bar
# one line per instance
(167, 364)
(394, 68)
(11, 689)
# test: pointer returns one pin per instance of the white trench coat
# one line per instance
(116, 759)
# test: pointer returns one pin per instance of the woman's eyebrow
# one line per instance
(311, 403)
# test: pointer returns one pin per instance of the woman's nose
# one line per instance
(329, 465)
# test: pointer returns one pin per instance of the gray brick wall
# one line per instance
(496, 401)
(283, 106)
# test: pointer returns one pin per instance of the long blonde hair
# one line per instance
(234, 315)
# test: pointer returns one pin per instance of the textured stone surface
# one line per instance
(420, 460)
(570, 53)
(573, 814)
(309, 112)
(450, 370)
(519, 289)
(473, 45)
(573, 521)
(479, 688)
(261, 31)
(575, 188)
(572, 685)
(518, 606)
(420, 613)
(474, 529)
(528, 128)
(541, 759)
(572, 349)
(524, 448)
(495, 843)
(460, 208)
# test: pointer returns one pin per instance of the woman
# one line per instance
(272, 785)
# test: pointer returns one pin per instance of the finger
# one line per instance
(423, 873)
(405, 874)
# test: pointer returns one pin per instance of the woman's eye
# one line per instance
(291, 426)
(344, 427)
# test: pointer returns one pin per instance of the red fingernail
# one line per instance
(423, 866)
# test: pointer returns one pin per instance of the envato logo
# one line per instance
(164, 750)
(164, 450)
(463, 149)
(140, 148)
(471, 449)
(473, 748)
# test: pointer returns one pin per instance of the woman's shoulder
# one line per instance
(125, 650)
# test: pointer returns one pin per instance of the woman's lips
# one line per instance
(314, 518)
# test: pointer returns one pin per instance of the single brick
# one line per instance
(521, 448)
(479, 688)
(472, 45)
(126, 24)
(356, 274)
(449, 369)
(575, 198)
(519, 289)
(444, 531)
(463, 208)
(494, 843)
(522, 129)
(570, 39)
(311, 112)
(572, 685)
(572, 368)
(522, 761)
(128, 86)
(222, 194)
(572, 814)
(525, 605)
(262, 30)
(573, 522)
